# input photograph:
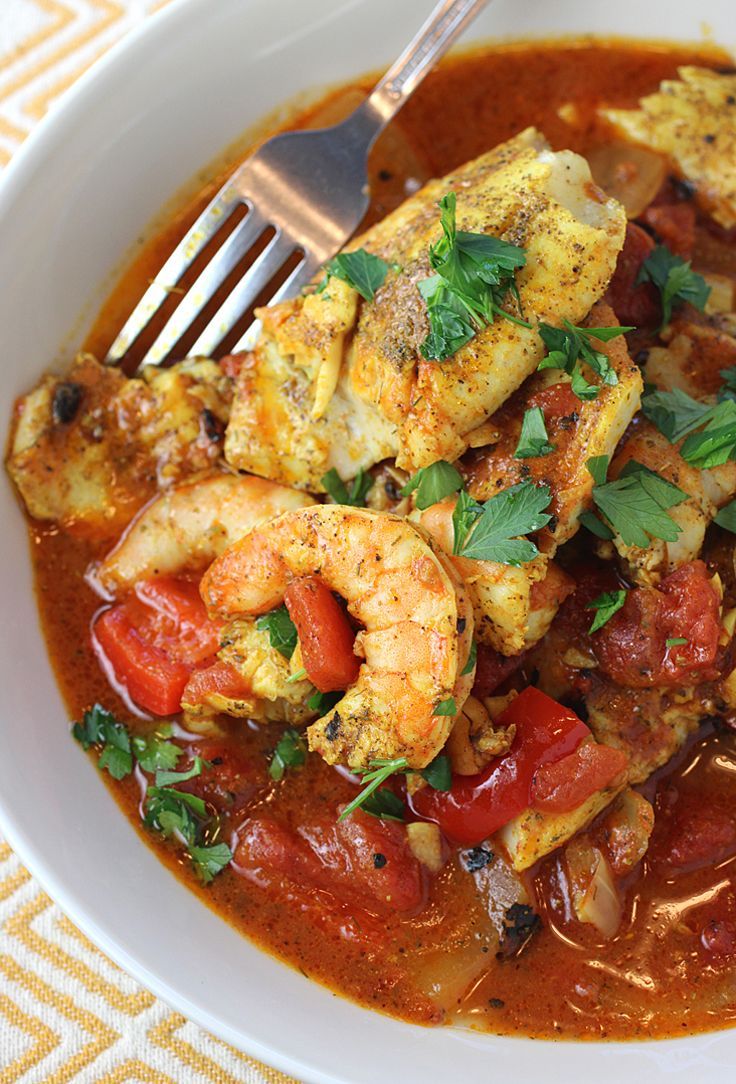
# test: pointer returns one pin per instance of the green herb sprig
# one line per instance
(635, 505)
(433, 483)
(490, 531)
(281, 630)
(606, 605)
(473, 274)
(362, 270)
(675, 280)
(570, 346)
(337, 489)
(289, 754)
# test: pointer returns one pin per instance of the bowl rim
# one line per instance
(64, 893)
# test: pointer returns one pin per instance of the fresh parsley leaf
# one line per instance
(533, 439)
(291, 752)
(715, 444)
(636, 505)
(516, 511)
(385, 805)
(569, 346)
(726, 517)
(323, 702)
(360, 269)
(446, 707)
(473, 273)
(166, 778)
(100, 727)
(432, 484)
(676, 641)
(156, 751)
(374, 777)
(210, 860)
(606, 605)
(728, 391)
(596, 526)
(598, 468)
(355, 496)
(281, 630)
(472, 660)
(466, 512)
(675, 280)
(176, 813)
(675, 413)
(438, 773)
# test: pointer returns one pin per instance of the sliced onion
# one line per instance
(632, 175)
(595, 898)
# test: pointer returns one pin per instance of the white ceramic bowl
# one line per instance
(82, 189)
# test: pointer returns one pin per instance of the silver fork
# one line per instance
(309, 187)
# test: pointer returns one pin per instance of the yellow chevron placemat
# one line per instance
(67, 1013)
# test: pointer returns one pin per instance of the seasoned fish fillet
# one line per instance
(587, 428)
(90, 448)
(693, 120)
(390, 401)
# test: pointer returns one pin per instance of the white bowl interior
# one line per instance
(84, 187)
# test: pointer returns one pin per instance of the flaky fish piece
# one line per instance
(389, 400)
(91, 447)
(693, 120)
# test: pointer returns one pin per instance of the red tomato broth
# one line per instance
(567, 982)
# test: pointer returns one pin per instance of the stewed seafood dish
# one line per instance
(406, 636)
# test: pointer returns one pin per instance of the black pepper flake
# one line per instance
(730, 99)
(552, 525)
(379, 861)
(709, 138)
(211, 426)
(496, 1003)
(385, 175)
(476, 858)
(333, 727)
(461, 623)
(66, 401)
(520, 923)
(684, 189)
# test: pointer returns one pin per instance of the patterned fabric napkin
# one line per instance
(67, 1013)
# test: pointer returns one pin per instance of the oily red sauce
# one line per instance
(669, 968)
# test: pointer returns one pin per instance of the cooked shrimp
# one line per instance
(417, 623)
(186, 528)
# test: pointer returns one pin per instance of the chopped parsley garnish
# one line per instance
(728, 391)
(355, 496)
(323, 702)
(726, 517)
(100, 727)
(472, 660)
(473, 273)
(675, 413)
(156, 751)
(281, 630)
(570, 346)
(446, 707)
(676, 641)
(374, 777)
(432, 484)
(385, 805)
(165, 778)
(360, 269)
(715, 444)
(291, 752)
(438, 773)
(490, 531)
(606, 605)
(178, 814)
(533, 439)
(636, 504)
(675, 280)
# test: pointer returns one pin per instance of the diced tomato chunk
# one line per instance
(361, 861)
(492, 669)
(674, 225)
(476, 806)
(635, 306)
(219, 679)
(694, 834)
(152, 679)
(154, 639)
(325, 634)
(232, 780)
(565, 784)
(632, 647)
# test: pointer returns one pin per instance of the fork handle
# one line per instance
(444, 25)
